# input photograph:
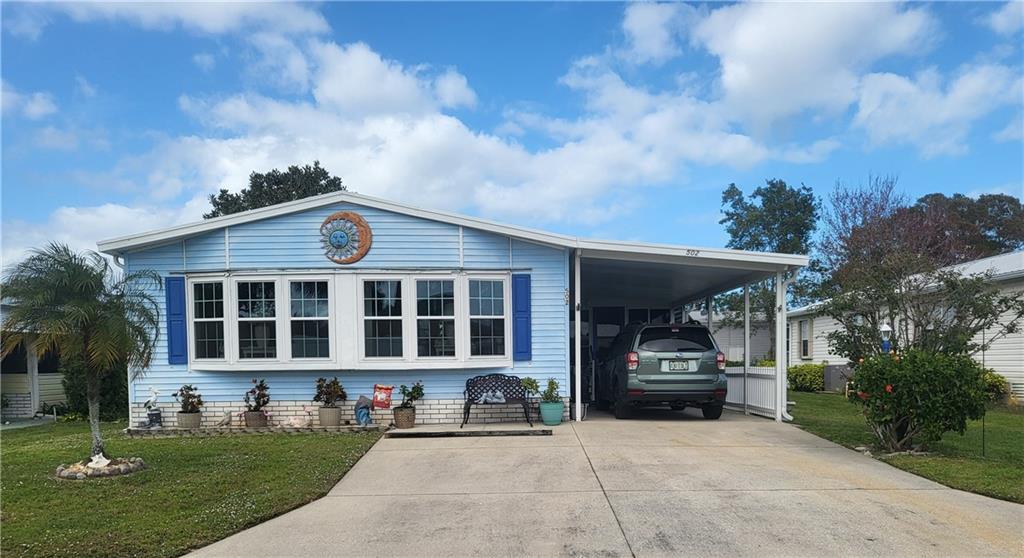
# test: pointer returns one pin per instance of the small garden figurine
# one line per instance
(328, 394)
(405, 414)
(255, 400)
(190, 415)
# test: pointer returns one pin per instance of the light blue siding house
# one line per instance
(377, 292)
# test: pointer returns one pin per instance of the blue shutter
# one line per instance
(177, 338)
(522, 336)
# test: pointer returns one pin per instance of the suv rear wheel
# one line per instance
(623, 410)
(711, 412)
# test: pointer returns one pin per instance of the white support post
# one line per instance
(781, 283)
(711, 319)
(32, 365)
(577, 347)
(746, 343)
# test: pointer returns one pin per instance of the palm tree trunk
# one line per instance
(92, 393)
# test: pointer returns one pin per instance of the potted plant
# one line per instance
(190, 415)
(255, 400)
(405, 414)
(328, 393)
(551, 404)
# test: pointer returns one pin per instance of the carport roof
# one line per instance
(731, 264)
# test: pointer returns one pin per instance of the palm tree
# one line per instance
(77, 305)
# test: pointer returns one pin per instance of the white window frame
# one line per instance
(346, 323)
(804, 328)
(406, 283)
(332, 325)
(236, 321)
(506, 316)
(461, 329)
(190, 315)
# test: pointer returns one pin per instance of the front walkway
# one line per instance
(665, 484)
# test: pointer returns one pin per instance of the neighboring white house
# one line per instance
(808, 333)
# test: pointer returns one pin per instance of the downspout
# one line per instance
(119, 262)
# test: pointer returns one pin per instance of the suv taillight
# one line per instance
(632, 361)
(720, 360)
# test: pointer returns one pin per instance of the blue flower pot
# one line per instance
(551, 412)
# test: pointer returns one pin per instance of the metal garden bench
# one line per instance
(494, 389)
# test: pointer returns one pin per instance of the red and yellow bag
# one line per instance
(382, 396)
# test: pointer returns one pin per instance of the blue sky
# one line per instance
(598, 119)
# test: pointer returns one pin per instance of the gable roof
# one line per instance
(1002, 267)
(120, 245)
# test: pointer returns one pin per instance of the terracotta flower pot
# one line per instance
(330, 416)
(189, 420)
(405, 417)
(255, 419)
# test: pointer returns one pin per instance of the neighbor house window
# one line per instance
(435, 318)
(208, 319)
(805, 338)
(382, 318)
(257, 326)
(310, 319)
(486, 317)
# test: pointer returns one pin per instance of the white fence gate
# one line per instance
(757, 391)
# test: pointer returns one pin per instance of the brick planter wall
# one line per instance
(428, 411)
(19, 405)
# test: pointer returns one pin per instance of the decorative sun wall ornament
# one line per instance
(346, 237)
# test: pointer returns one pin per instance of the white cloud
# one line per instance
(1014, 130)
(33, 106)
(652, 30)
(925, 112)
(204, 61)
(280, 62)
(29, 20)
(452, 90)
(778, 60)
(81, 227)
(54, 138)
(84, 87)
(1007, 20)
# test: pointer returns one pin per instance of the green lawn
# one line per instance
(954, 461)
(194, 491)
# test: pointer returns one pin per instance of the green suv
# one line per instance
(674, 364)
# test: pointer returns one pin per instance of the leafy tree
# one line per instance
(776, 217)
(77, 305)
(990, 225)
(275, 187)
(887, 265)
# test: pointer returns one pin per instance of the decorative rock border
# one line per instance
(116, 467)
(165, 432)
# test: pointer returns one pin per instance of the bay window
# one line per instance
(310, 319)
(486, 317)
(382, 318)
(257, 327)
(208, 320)
(435, 318)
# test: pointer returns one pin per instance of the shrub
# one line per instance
(113, 390)
(257, 397)
(806, 377)
(550, 393)
(911, 400)
(996, 386)
(329, 392)
(765, 363)
(411, 394)
(189, 398)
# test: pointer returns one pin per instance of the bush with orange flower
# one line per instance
(914, 399)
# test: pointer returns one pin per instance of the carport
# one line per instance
(652, 282)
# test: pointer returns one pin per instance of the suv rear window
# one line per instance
(675, 338)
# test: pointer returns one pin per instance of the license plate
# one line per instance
(678, 365)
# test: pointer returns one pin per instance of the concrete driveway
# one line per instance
(664, 484)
